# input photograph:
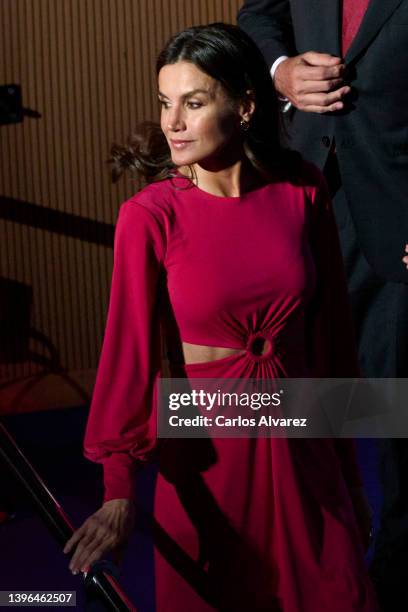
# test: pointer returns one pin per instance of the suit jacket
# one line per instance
(371, 133)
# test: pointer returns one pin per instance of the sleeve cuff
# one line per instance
(285, 107)
(119, 470)
(276, 63)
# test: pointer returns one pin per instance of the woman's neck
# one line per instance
(230, 181)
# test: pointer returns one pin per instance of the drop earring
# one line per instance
(244, 125)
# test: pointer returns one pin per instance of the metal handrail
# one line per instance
(57, 521)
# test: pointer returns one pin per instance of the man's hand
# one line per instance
(312, 82)
(104, 531)
(405, 258)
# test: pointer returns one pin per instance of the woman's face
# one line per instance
(197, 117)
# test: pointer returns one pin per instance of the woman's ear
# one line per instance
(247, 106)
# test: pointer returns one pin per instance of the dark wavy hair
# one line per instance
(228, 55)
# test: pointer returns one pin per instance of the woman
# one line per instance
(233, 250)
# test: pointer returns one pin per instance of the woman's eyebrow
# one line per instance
(189, 93)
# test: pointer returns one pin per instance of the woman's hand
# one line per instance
(364, 514)
(104, 531)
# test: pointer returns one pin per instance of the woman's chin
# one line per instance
(182, 160)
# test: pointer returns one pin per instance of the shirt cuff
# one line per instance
(276, 63)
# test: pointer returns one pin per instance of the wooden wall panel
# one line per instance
(87, 68)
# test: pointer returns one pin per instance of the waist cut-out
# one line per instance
(199, 353)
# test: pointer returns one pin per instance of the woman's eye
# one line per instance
(163, 103)
(194, 104)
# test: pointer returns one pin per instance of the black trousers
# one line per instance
(380, 311)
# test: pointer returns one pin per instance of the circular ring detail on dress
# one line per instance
(260, 346)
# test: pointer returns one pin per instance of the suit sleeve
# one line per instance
(330, 331)
(269, 24)
(121, 428)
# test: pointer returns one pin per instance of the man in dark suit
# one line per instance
(340, 68)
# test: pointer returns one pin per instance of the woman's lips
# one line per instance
(180, 144)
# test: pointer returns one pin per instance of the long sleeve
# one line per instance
(269, 24)
(331, 340)
(121, 428)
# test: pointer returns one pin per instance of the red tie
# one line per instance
(353, 13)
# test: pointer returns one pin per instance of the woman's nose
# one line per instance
(175, 121)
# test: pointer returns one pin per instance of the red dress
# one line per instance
(241, 524)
